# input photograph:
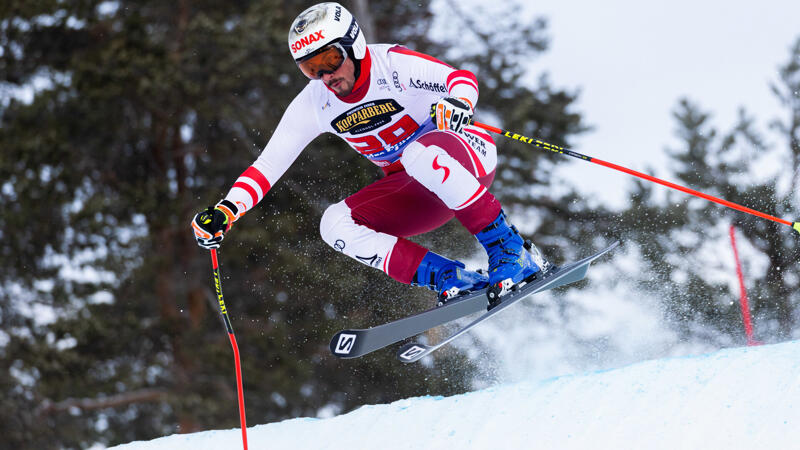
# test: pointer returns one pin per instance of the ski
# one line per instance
(353, 343)
(566, 274)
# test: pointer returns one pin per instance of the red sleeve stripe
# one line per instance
(251, 183)
(254, 183)
(462, 76)
(404, 51)
(249, 189)
(256, 175)
(468, 83)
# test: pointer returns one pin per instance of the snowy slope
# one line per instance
(744, 398)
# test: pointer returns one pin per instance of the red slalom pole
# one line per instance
(556, 149)
(748, 326)
(224, 311)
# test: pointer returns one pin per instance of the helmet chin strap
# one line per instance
(356, 64)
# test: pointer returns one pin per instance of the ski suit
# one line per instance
(430, 177)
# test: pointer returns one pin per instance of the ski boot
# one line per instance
(447, 278)
(512, 260)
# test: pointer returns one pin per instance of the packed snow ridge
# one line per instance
(743, 398)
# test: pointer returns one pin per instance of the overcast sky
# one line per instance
(633, 60)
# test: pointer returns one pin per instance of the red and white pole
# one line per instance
(748, 324)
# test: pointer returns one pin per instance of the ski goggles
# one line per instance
(328, 59)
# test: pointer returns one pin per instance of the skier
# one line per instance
(380, 98)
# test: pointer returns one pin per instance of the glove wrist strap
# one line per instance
(229, 209)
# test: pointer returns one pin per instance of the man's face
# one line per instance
(342, 80)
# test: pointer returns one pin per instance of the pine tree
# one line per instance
(676, 235)
(141, 114)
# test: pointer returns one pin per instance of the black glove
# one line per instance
(451, 113)
(211, 224)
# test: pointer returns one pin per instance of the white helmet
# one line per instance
(323, 24)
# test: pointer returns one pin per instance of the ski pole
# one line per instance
(746, 320)
(224, 311)
(556, 149)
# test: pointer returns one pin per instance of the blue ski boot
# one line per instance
(512, 260)
(447, 278)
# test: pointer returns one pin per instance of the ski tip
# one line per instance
(796, 226)
(344, 344)
(412, 352)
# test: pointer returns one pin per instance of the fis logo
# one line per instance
(345, 344)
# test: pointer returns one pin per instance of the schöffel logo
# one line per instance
(424, 85)
(345, 344)
(366, 117)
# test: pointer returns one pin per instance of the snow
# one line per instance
(607, 325)
(740, 398)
